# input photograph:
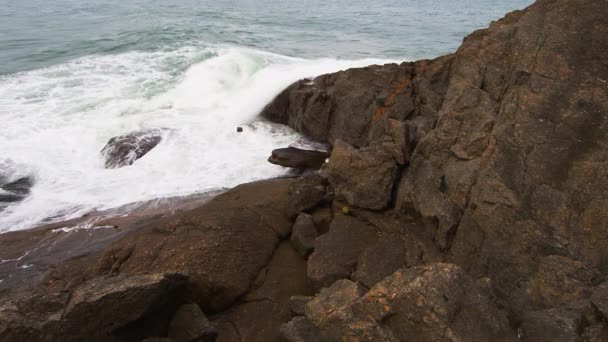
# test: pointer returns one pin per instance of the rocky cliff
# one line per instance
(465, 199)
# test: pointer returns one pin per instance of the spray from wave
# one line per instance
(56, 120)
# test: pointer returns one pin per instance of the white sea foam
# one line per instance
(56, 120)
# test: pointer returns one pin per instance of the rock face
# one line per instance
(124, 150)
(298, 158)
(364, 178)
(95, 310)
(437, 302)
(503, 147)
(191, 324)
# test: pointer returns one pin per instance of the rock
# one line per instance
(96, 310)
(239, 129)
(261, 312)
(299, 329)
(561, 280)
(20, 187)
(303, 235)
(596, 333)
(298, 158)
(124, 150)
(93, 307)
(191, 324)
(306, 193)
(335, 255)
(599, 299)
(380, 260)
(297, 303)
(435, 302)
(322, 218)
(15, 191)
(364, 178)
(551, 325)
(240, 228)
(332, 303)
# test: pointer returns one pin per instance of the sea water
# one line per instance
(75, 73)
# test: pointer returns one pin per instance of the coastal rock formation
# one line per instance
(15, 191)
(464, 200)
(124, 150)
(298, 158)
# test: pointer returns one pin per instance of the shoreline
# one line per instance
(464, 199)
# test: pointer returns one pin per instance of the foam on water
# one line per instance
(56, 120)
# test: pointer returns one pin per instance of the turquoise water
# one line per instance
(75, 73)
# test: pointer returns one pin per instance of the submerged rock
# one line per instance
(298, 158)
(124, 150)
(15, 191)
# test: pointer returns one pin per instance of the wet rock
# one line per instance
(191, 324)
(299, 329)
(380, 260)
(241, 227)
(15, 191)
(364, 178)
(298, 158)
(335, 255)
(303, 235)
(551, 325)
(124, 150)
(20, 187)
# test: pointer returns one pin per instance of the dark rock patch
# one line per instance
(298, 158)
(124, 150)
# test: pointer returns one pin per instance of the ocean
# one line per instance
(75, 73)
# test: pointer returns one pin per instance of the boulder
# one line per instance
(124, 150)
(364, 178)
(96, 310)
(380, 260)
(599, 299)
(15, 191)
(552, 325)
(299, 329)
(335, 255)
(297, 303)
(259, 314)
(298, 158)
(241, 228)
(190, 324)
(305, 193)
(435, 302)
(303, 235)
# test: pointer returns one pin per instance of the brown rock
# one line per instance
(551, 326)
(364, 178)
(190, 324)
(599, 299)
(124, 150)
(437, 302)
(297, 304)
(298, 158)
(299, 329)
(303, 235)
(335, 255)
(380, 260)
(305, 193)
(262, 311)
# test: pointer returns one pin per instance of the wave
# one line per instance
(57, 119)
